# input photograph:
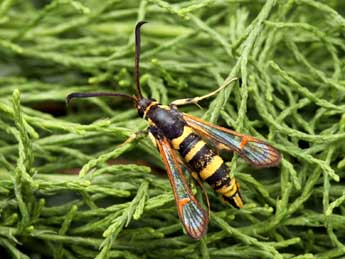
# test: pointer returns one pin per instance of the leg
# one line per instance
(195, 100)
(134, 136)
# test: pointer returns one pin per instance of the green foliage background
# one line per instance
(290, 56)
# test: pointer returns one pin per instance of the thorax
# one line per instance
(169, 120)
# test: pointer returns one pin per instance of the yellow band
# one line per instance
(228, 190)
(194, 150)
(148, 108)
(211, 167)
(176, 142)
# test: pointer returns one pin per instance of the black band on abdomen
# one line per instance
(188, 143)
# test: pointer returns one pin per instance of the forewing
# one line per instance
(193, 217)
(253, 150)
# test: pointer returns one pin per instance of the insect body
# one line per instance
(193, 138)
(168, 122)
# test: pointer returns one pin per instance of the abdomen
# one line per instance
(208, 165)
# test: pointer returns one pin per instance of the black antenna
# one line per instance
(137, 57)
(137, 81)
(87, 95)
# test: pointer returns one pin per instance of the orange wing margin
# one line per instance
(256, 152)
(193, 217)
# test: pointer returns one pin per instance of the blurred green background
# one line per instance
(290, 57)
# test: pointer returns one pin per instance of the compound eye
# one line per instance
(140, 111)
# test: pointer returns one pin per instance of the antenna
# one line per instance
(87, 95)
(136, 68)
(137, 57)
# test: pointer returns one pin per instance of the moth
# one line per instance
(186, 145)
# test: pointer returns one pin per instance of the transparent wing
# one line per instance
(193, 217)
(253, 150)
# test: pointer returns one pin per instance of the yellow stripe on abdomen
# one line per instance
(176, 142)
(211, 167)
(228, 190)
(195, 149)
